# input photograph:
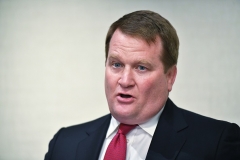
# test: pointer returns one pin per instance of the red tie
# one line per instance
(117, 148)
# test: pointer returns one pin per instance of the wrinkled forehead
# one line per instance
(150, 39)
(138, 37)
(126, 44)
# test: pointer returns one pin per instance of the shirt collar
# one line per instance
(148, 126)
(112, 127)
(151, 124)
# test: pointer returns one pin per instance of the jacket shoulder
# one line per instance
(206, 137)
(221, 138)
(202, 121)
(66, 140)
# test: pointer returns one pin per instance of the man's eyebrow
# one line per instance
(137, 61)
(113, 57)
(143, 61)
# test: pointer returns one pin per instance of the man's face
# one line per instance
(135, 83)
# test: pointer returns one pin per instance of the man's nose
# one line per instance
(126, 80)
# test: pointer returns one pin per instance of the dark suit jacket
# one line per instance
(180, 135)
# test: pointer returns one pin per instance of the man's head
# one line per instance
(139, 72)
(147, 25)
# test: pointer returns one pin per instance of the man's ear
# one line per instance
(171, 76)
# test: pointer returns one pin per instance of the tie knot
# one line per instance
(125, 128)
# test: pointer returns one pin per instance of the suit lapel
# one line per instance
(90, 147)
(169, 136)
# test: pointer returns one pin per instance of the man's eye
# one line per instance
(116, 65)
(142, 68)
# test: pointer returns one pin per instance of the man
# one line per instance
(141, 57)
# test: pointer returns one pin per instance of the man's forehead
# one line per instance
(138, 37)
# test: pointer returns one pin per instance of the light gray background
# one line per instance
(52, 64)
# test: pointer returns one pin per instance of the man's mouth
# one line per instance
(123, 98)
(125, 95)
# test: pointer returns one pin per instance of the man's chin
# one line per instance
(125, 118)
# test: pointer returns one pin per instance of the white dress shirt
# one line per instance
(138, 139)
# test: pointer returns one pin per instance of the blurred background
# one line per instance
(52, 64)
